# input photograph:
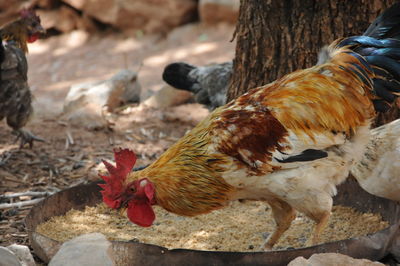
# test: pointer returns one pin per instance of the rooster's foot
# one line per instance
(26, 137)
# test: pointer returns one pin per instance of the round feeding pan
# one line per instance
(374, 246)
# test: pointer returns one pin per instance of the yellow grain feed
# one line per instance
(239, 227)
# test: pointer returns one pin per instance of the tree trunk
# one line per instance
(277, 37)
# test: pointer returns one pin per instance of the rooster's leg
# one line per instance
(321, 222)
(283, 214)
(26, 137)
(317, 205)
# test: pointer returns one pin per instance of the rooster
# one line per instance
(208, 83)
(15, 95)
(26, 29)
(288, 143)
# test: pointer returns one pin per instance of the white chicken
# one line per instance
(379, 170)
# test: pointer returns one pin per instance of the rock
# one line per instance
(46, 4)
(89, 250)
(8, 258)
(10, 10)
(150, 16)
(78, 4)
(332, 259)
(166, 97)
(215, 11)
(86, 23)
(64, 19)
(86, 103)
(88, 116)
(395, 248)
(23, 254)
(155, 16)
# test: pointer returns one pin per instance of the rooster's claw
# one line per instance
(26, 137)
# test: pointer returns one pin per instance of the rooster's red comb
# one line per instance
(125, 160)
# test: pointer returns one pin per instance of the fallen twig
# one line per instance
(63, 123)
(13, 180)
(19, 235)
(20, 204)
(27, 193)
(69, 140)
(5, 158)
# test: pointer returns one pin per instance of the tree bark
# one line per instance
(277, 37)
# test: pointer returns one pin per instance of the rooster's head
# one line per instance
(137, 196)
(32, 23)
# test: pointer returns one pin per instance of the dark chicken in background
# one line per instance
(209, 84)
(288, 143)
(15, 94)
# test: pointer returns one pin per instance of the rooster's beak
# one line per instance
(125, 200)
(39, 29)
(121, 211)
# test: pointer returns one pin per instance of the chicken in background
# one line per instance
(288, 143)
(209, 84)
(378, 172)
(15, 94)
(26, 29)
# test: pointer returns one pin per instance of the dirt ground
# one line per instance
(59, 62)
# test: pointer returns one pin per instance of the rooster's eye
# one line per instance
(132, 189)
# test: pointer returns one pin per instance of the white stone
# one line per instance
(86, 103)
(332, 259)
(395, 247)
(8, 258)
(89, 250)
(23, 253)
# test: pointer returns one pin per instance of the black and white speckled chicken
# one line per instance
(208, 83)
(15, 94)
